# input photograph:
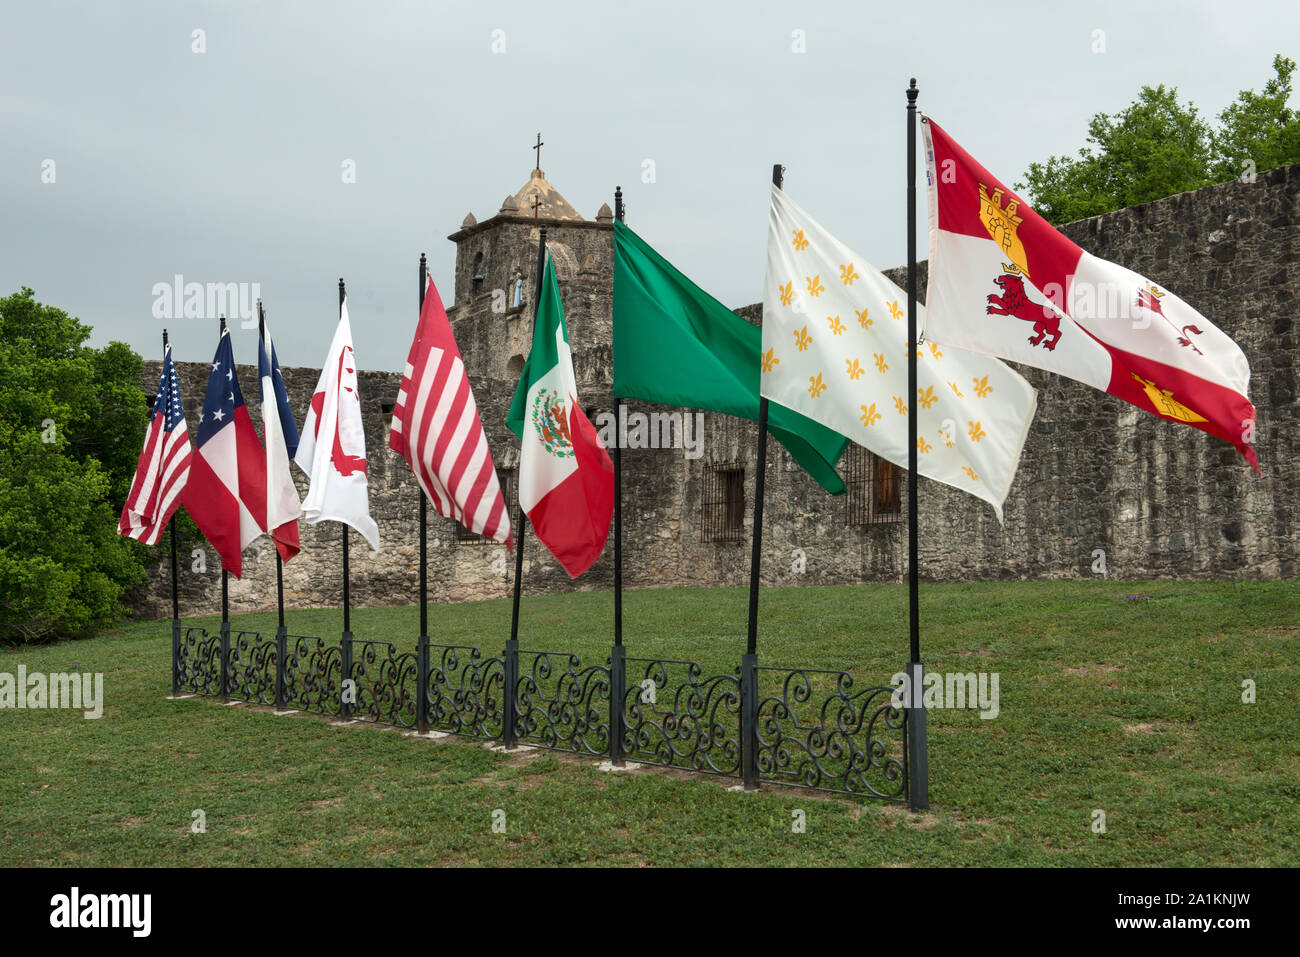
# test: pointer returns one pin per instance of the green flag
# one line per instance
(677, 345)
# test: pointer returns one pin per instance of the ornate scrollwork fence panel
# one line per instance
(198, 664)
(251, 675)
(561, 705)
(675, 717)
(313, 675)
(465, 691)
(385, 683)
(815, 730)
(811, 727)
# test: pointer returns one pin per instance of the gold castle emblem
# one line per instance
(1164, 402)
(1002, 225)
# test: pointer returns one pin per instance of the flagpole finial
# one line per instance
(223, 323)
(912, 91)
(342, 293)
(164, 339)
(618, 203)
(778, 175)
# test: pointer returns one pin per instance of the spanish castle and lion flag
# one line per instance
(1002, 281)
(835, 349)
(566, 478)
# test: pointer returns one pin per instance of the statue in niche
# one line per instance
(518, 298)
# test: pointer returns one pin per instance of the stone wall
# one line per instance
(1163, 501)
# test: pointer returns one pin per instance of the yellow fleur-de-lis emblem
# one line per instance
(895, 310)
(799, 242)
(787, 293)
(926, 397)
(837, 327)
(855, 371)
(869, 415)
(934, 350)
(881, 364)
(815, 287)
(947, 437)
(956, 391)
(801, 338)
(982, 387)
(848, 274)
(863, 321)
(770, 361)
(971, 472)
(922, 445)
(900, 405)
(976, 430)
(815, 385)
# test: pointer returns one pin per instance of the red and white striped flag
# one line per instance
(164, 465)
(436, 428)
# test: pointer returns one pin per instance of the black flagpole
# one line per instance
(345, 648)
(176, 601)
(749, 661)
(422, 645)
(618, 655)
(279, 565)
(511, 656)
(618, 484)
(523, 519)
(225, 601)
(918, 759)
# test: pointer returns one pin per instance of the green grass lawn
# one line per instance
(1133, 707)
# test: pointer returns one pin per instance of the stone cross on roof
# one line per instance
(538, 149)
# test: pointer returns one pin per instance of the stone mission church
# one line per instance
(1097, 476)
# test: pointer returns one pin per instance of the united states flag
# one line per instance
(164, 465)
(436, 428)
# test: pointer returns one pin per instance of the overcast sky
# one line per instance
(226, 165)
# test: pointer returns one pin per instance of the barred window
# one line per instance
(509, 479)
(874, 488)
(723, 518)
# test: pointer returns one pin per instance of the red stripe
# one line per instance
(1229, 414)
(252, 466)
(215, 511)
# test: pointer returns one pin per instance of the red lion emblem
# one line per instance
(1014, 302)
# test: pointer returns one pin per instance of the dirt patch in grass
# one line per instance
(1101, 669)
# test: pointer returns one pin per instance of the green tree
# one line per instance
(1157, 147)
(1153, 148)
(1259, 131)
(71, 420)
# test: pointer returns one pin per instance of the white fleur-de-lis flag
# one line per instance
(835, 350)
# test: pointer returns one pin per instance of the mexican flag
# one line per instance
(566, 479)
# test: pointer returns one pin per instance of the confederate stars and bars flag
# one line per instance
(436, 428)
(1002, 281)
(164, 465)
(226, 494)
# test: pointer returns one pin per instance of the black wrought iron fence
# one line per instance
(799, 727)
